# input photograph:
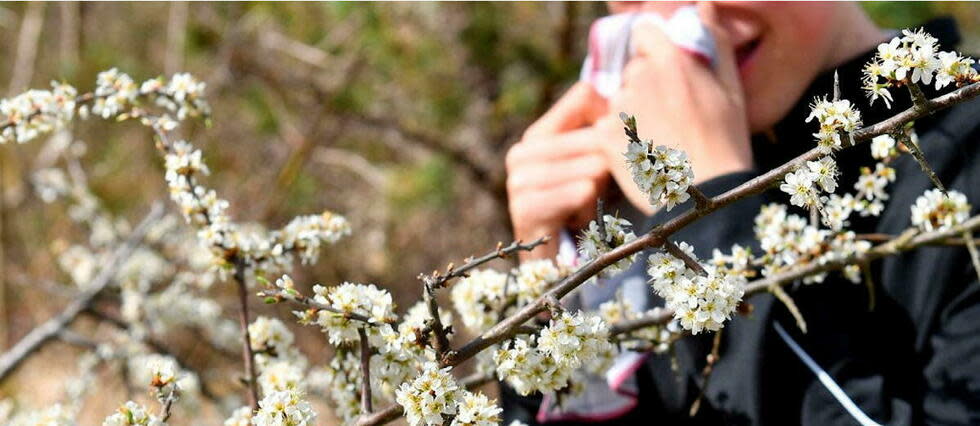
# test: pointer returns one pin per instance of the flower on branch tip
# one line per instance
(663, 173)
(910, 59)
(365, 300)
(36, 112)
(834, 117)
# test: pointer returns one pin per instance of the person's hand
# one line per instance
(680, 101)
(557, 171)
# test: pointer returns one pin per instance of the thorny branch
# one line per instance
(248, 355)
(43, 333)
(365, 371)
(659, 234)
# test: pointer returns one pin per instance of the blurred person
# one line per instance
(910, 360)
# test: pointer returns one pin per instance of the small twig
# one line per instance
(36, 338)
(440, 334)
(971, 246)
(313, 304)
(168, 403)
(248, 356)
(881, 238)
(836, 86)
(869, 282)
(706, 373)
(600, 218)
(692, 264)
(784, 297)
(365, 371)
(438, 280)
(921, 159)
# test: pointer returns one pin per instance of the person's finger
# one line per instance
(726, 65)
(549, 148)
(556, 204)
(545, 175)
(654, 52)
(577, 108)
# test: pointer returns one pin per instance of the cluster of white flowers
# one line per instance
(307, 234)
(116, 93)
(284, 408)
(546, 363)
(429, 397)
(804, 184)
(240, 417)
(476, 410)
(358, 299)
(36, 112)
(699, 302)
(132, 414)
(55, 415)
(661, 172)
(870, 187)
(479, 298)
(617, 232)
(207, 213)
(835, 118)
(934, 210)
(913, 58)
(534, 278)
(788, 241)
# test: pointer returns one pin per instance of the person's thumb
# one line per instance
(579, 107)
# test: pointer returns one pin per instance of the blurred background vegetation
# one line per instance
(395, 115)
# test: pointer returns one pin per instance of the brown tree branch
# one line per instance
(365, 371)
(41, 334)
(248, 355)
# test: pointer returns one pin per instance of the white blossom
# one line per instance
(799, 185)
(349, 298)
(429, 397)
(882, 147)
(834, 117)
(55, 415)
(618, 231)
(36, 112)
(242, 416)
(934, 211)
(284, 408)
(910, 59)
(699, 302)
(663, 173)
(132, 414)
(534, 278)
(476, 409)
(546, 363)
(479, 297)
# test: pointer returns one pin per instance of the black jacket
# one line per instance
(914, 359)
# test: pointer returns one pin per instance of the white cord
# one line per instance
(826, 380)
